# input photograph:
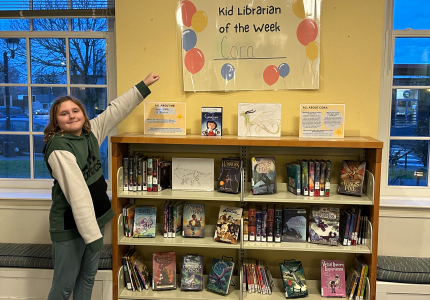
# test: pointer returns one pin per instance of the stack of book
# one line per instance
(356, 283)
(136, 274)
(139, 221)
(257, 277)
(173, 213)
(353, 227)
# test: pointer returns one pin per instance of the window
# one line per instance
(41, 59)
(405, 100)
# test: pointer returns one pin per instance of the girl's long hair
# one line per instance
(52, 128)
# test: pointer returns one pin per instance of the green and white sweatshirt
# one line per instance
(80, 205)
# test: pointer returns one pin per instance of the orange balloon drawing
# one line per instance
(194, 60)
(271, 74)
(188, 9)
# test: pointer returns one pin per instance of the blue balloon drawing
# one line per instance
(189, 39)
(227, 71)
(284, 70)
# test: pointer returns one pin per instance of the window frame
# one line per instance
(396, 195)
(111, 91)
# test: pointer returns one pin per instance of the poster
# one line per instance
(165, 118)
(322, 120)
(250, 44)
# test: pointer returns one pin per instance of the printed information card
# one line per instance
(166, 118)
(322, 120)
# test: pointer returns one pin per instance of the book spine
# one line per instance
(126, 274)
(327, 179)
(258, 221)
(155, 174)
(166, 220)
(322, 179)
(135, 170)
(245, 223)
(270, 223)
(278, 225)
(305, 178)
(149, 177)
(252, 223)
(171, 228)
(357, 227)
(144, 175)
(298, 181)
(130, 174)
(125, 161)
(264, 223)
(346, 234)
(311, 179)
(317, 179)
(139, 174)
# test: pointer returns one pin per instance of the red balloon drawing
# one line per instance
(188, 9)
(307, 31)
(271, 74)
(194, 60)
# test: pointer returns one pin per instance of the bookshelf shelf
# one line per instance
(362, 148)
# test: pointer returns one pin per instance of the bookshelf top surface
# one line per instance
(234, 140)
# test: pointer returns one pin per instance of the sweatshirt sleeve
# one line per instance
(66, 171)
(117, 110)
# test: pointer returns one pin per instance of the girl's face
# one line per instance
(211, 125)
(70, 118)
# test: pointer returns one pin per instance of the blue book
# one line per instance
(294, 225)
(145, 221)
(211, 121)
(258, 221)
(294, 280)
(264, 223)
(277, 230)
(220, 276)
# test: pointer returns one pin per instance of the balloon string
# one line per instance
(192, 83)
(283, 78)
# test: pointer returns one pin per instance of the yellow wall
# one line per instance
(149, 40)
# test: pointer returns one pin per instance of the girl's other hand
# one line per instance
(150, 79)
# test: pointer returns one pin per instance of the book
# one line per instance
(130, 219)
(270, 222)
(277, 229)
(149, 170)
(293, 278)
(311, 178)
(294, 179)
(252, 222)
(141, 269)
(327, 178)
(193, 221)
(264, 223)
(130, 173)
(263, 180)
(333, 278)
(352, 178)
(220, 276)
(134, 158)
(211, 121)
(163, 271)
(170, 226)
(354, 285)
(317, 178)
(228, 224)
(127, 275)
(305, 176)
(164, 172)
(166, 219)
(324, 225)
(125, 172)
(229, 175)
(155, 175)
(258, 221)
(245, 223)
(192, 273)
(294, 225)
(322, 178)
(139, 182)
(349, 281)
(135, 281)
(145, 221)
(178, 210)
(360, 266)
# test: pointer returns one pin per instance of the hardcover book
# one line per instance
(245, 223)
(178, 210)
(263, 179)
(322, 178)
(258, 223)
(305, 177)
(352, 178)
(333, 278)
(270, 222)
(141, 269)
(317, 178)
(294, 179)
(294, 225)
(228, 224)
(220, 276)
(252, 222)
(164, 271)
(193, 220)
(164, 182)
(324, 225)
(277, 230)
(125, 172)
(145, 221)
(229, 175)
(311, 179)
(327, 179)
(211, 121)
(264, 223)
(192, 273)
(294, 280)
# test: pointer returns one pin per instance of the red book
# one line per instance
(252, 225)
(270, 222)
(164, 271)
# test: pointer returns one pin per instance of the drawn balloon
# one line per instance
(299, 9)
(271, 74)
(312, 50)
(189, 39)
(284, 70)
(188, 10)
(199, 21)
(227, 71)
(194, 60)
(307, 31)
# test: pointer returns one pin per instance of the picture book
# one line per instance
(324, 225)
(145, 221)
(192, 273)
(259, 119)
(294, 225)
(294, 179)
(193, 222)
(220, 276)
(352, 178)
(252, 222)
(294, 280)
(229, 175)
(130, 219)
(163, 271)
(211, 121)
(263, 179)
(228, 224)
(333, 278)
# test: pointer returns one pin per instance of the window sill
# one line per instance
(404, 202)
(31, 194)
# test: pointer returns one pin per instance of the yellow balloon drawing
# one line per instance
(312, 50)
(299, 9)
(199, 21)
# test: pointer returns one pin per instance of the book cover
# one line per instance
(192, 273)
(145, 221)
(258, 222)
(127, 275)
(263, 179)
(125, 172)
(178, 211)
(130, 219)
(252, 222)
(220, 276)
(228, 224)
(294, 280)
(229, 175)
(294, 225)
(193, 220)
(277, 230)
(270, 222)
(294, 179)
(163, 271)
(324, 225)
(333, 278)
(165, 170)
(264, 223)
(245, 223)
(211, 121)
(352, 178)
(327, 179)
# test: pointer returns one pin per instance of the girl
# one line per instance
(80, 206)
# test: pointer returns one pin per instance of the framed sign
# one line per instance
(165, 118)
(322, 120)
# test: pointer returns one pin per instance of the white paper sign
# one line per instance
(193, 174)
